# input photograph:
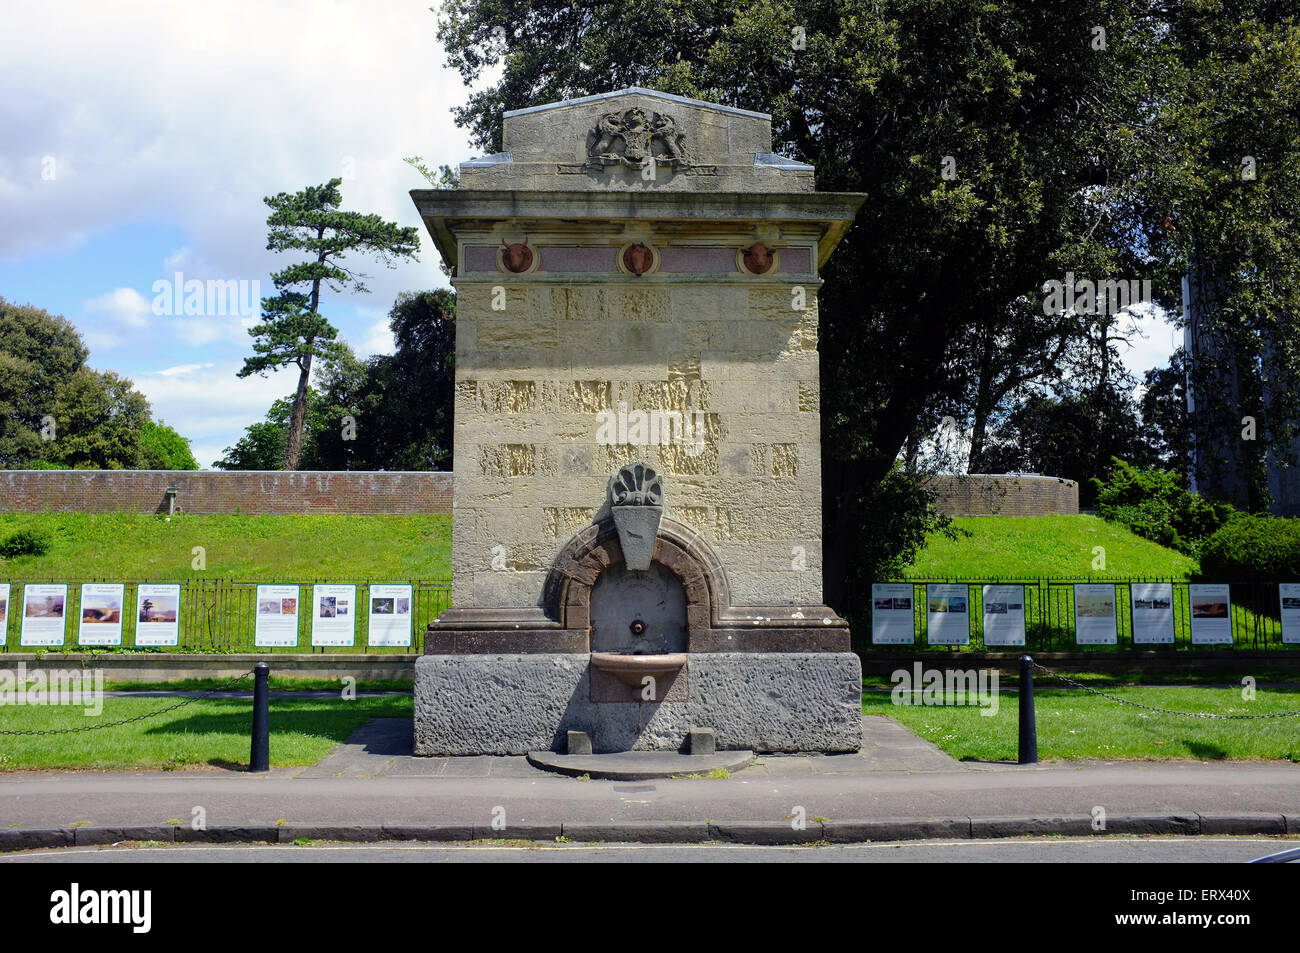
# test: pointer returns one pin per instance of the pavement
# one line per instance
(899, 787)
(1038, 850)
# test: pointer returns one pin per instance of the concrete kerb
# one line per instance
(674, 832)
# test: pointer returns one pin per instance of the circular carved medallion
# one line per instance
(639, 258)
(516, 258)
(757, 259)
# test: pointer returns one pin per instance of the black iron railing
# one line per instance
(1255, 614)
(220, 616)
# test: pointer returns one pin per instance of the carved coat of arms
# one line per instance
(630, 137)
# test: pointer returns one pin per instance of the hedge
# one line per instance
(1254, 548)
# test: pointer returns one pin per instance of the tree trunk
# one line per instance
(983, 406)
(978, 435)
(298, 417)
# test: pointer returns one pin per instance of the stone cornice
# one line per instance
(443, 209)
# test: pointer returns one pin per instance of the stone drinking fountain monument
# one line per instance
(637, 522)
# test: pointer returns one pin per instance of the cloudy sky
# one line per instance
(137, 141)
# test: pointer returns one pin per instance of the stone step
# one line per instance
(639, 765)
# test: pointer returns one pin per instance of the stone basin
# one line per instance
(630, 669)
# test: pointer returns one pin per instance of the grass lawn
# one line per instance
(275, 683)
(206, 732)
(1034, 547)
(1073, 725)
(138, 546)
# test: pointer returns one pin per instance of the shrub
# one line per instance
(25, 542)
(891, 521)
(1155, 505)
(1254, 548)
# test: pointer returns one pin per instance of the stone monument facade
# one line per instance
(637, 501)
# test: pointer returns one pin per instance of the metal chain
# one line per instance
(1167, 711)
(127, 721)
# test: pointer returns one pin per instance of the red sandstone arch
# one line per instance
(567, 594)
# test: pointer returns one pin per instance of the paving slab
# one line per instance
(384, 747)
(369, 751)
(888, 746)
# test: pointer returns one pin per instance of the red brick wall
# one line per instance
(214, 491)
(979, 494)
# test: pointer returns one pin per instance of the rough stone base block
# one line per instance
(513, 704)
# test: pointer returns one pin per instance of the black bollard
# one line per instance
(1028, 726)
(260, 757)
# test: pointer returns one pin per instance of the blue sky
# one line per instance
(137, 140)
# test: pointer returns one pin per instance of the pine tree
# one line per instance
(293, 331)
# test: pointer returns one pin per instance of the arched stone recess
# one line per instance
(567, 593)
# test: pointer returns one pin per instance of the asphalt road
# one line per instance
(1041, 850)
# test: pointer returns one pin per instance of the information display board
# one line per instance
(390, 615)
(893, 621)
(1004, 615)
(1289, 595)
(101, 613)
(1211, 613)
(1094, 614)
(1153, 612)
(157, 614)
(44, 608)
(947, 614)
(334, 615)
(277, 617)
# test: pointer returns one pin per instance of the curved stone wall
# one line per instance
(1006, 494)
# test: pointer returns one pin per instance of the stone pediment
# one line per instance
(637, 139)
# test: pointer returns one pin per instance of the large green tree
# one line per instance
(1221, 201)
(165, 449)
(421, 374)
(292, 330)
(263, 445)
(39, 355)
(1166, 427)
(100, 417)
(1001, 144)
(57, 412)
(391, 412)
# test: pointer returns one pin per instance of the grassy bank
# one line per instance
(1044, 547)
(117, 546)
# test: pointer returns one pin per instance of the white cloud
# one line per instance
(378, 340)
(1152, 340)
(101, 339)
(203, 330)
(178, 259)
(124, 305)
(109, 320)
(182, 369)
(208, 404)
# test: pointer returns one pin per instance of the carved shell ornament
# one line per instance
(637, 484)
